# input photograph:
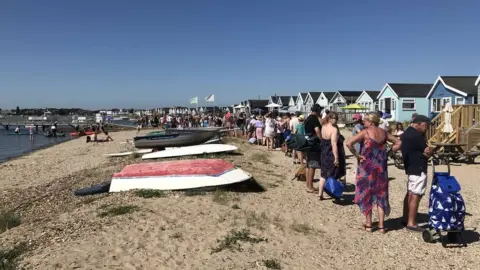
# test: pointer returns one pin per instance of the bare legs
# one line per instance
(300, 157)
(368, 222)
(309, 177)
(269, 143)
(320, 188)
(381, 220)
(410, 208)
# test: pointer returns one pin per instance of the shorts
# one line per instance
(417, 184)
(313, 160)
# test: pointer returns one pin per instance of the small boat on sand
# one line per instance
(173, 138)
(191, 151)
(177, 175)
(82, 133)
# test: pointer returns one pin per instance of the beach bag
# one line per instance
(252, 140)
(334, 188)
(296, 141)
(446, 207)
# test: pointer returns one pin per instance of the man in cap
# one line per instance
(312, 128)
(416, 153)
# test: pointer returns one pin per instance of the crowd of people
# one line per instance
(219, 119)
(370, 137)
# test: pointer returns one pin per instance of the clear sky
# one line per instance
(125, 53)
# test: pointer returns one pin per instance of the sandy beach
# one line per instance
(282, 227)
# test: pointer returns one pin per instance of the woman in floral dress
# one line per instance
(372, 175)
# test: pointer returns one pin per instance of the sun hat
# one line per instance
(301, 117)
(357, 116)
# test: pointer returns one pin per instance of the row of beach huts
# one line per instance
(400, 100)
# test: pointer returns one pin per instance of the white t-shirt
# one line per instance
(293, 124)
(383, 124)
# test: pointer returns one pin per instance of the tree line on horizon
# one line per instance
(54, 111)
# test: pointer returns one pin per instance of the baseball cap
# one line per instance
(301, 117)
(421, 119)
(317, 108)
(357, 116)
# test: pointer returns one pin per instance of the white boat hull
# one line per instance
(178, 182)
(124, 154)
(191, 150)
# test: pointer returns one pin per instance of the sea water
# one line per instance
(16, 145)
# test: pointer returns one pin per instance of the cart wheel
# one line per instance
(427, 236)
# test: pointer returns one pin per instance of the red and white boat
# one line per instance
(178, 175)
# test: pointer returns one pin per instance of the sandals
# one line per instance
(367, 228)
(311, 190)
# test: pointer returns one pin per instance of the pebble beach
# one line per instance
(276, 226)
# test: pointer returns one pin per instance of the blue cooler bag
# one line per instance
(447, 207)
(334, 188)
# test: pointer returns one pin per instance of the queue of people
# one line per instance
(368, 144)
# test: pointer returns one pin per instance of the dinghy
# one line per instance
(191, 150)
(82, 133)
(173, 138)
(178, 175)
(128, 153)
(149, 150)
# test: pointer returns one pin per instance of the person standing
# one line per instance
(53, 128)
(259, 126)
(270, 130)
(332, 153)
(280, 130)
(251, 127)
(312, 132)
(416, 153)
(300, 130)
(371, 189)
(241, 123)
(293, 129)
(357, 128)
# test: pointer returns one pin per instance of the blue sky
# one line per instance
(96, 54)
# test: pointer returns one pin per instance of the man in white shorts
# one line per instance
(415, 154)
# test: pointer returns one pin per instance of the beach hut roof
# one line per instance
(462, 85)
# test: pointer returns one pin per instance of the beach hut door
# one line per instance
(388, 105)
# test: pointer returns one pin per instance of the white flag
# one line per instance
(210, 98)
(194, 100)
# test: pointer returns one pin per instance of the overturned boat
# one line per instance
(173, 138)
(177, 175)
